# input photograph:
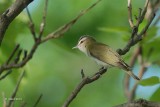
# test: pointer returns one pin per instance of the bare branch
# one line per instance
(5, 75)
(31, 25)
(130, 19)
(140, 103)
(12, 54)
(141, 73)
(66, 27)
(127, 77)
(135, 38)
(16, 89)
(18, 56)
(42, 25)
(9, 15)
(38, 100)
(22, 63)
(144, 11)
(4, 100)
(85, 80)
(39, 41)
(146, 27)
(82, 73)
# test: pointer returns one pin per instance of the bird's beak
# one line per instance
(75, 47)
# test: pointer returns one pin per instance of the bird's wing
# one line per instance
(104, 53)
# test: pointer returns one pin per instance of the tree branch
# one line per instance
(130, 19)
(85, 80)
(141, 73)
(38, 100)
(135, 37)
(4, 99)
(43, 23)
(31, 25)
(15, 90)
(58, 33)
(140, 103)
(127, 77)
(9, 15)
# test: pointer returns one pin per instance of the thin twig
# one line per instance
(5, 75)
(18, 56)
(85, 80)
(10, 14)
(139, 18)
(43, 23)
(56, 34)
(142, 70)
(135, 39)
(127, 77)
(144, 11)
(146, 27)
(22, 63)
(139, 103)
(4, 100)
(16, 89)
(31, 25)
(130, 19)
(38, 100)
(141, 73)
(12, 54)
(82, 73)
(66, 27)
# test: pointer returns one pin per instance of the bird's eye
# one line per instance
(81, 42)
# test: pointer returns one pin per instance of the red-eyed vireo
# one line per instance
(102, 54)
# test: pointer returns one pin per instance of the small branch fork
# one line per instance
(9, 15)
(17, 63)
(143, 68)
(12, 62)
(136, 36)
(85, 80)
(13, 95)
(15, 90)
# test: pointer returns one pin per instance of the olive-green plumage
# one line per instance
(103, 54)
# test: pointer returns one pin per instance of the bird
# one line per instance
(103, 54)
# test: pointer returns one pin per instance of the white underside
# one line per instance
(100, 62)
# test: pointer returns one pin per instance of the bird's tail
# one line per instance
(127, 68)
(134, 76)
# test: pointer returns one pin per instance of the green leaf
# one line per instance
(150, 81)
(151, 33)
(154, 45)
(123, 30)
(155, 96)
(142, 25)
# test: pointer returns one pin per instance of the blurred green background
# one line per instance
(54, 71)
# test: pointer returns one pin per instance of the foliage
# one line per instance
(55, 68)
